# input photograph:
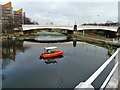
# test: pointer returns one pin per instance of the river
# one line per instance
(23, 68)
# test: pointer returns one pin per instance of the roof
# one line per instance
(7, 4)
(20, 10)
(47, 48)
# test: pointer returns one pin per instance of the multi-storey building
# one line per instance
(7, 13)
(7, 16)
(0, 18)
(24, 18)
(18, 17)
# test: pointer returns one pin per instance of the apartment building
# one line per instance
(7, 13)
(18, 17)
(0, 18)
(8, 16)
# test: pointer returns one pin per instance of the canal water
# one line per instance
(23, 68)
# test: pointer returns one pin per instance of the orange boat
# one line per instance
(51, 52)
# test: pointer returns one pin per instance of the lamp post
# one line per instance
(89, 20)
(98, 19)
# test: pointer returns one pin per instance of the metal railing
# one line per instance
(88, 82)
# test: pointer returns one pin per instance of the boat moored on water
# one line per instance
(51, 52)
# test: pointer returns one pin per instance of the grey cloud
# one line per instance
(68, 12)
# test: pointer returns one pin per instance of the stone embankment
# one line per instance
(98, 41)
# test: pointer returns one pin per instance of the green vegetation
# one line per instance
(0, 35)
(25, 37)
(100, 38)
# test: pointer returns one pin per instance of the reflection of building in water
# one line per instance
(9, 49)
(0, 52)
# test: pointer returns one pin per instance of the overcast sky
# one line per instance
(68, 11)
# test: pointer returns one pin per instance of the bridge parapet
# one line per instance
(69, 27)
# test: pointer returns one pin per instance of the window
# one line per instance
(15, 13)
(20, 13)
(8, 15)
(8, 8)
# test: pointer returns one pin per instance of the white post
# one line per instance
(116, 58)
(83, 33)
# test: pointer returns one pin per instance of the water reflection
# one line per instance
(50, 38)
(109, 47)
(9, 51)
(110, 50)
(74, 42)
(52, 59)
(58, 74)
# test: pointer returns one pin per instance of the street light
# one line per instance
(98, 19)
(89, 20)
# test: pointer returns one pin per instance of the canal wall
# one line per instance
(97, 41)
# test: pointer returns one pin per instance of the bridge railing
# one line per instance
(88, 82)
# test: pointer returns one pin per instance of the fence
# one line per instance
(88, 82)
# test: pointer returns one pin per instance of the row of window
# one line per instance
(6, 12)
(6, 17)
(15, 13)
(7, 8)
(18, 15)
(10, 20)
(9, 14)
(6, 21)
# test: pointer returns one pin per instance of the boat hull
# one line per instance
(57, 53)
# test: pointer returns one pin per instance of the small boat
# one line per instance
(51, 52)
